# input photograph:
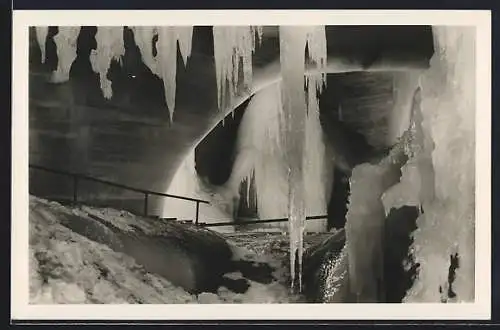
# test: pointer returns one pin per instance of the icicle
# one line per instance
(167, 63)
(143, 37)
(292, 56)
(65, 41)
(41, 37)
(293, 41)
(314, 162)
(232, 44)
(184, 34)
(109, 47)
(164, 65)
(316, 42)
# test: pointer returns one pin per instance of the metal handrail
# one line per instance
(242, 223)
(78, 176)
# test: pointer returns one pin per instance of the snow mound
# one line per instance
(68, 268)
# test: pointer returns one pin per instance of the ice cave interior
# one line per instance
(362, 125)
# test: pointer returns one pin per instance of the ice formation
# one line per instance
(41, 37)
(260, 160)
(404, 85)
(143, 37)
(364, 232)
(109, 47)
(259, 154)
(232, 44)
(164, 64)
(293, 41)
(186, 182)
(65, 41)
(416, 187)
(447, 225)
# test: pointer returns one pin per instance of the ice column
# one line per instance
(65, 41)
(164, 64)
(109, 47)
(293, 41)
(447, 225)
(316, 174)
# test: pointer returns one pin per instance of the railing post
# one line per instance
(146, 197)
(197, 212)
(75, 189)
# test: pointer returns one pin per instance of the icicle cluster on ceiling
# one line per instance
(65, 41)
(110, 46)
(232, 44)
(164, 64)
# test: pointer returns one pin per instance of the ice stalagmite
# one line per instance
(164, 64)
(293, 41)
(109, 47)
(232, 44)
(446, 226)
(65, 41)
(41, 37)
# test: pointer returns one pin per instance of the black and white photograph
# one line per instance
(299, 163)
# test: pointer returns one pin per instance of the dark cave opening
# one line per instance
(214, 156)
(399, 225)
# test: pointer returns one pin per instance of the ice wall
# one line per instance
(438, 177)
(447, 225)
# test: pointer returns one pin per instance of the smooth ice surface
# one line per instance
(164, 65)
(233, 44)
(109, 47)
(404, 85)
(447, 225)
(65, 41)
(41, 38)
